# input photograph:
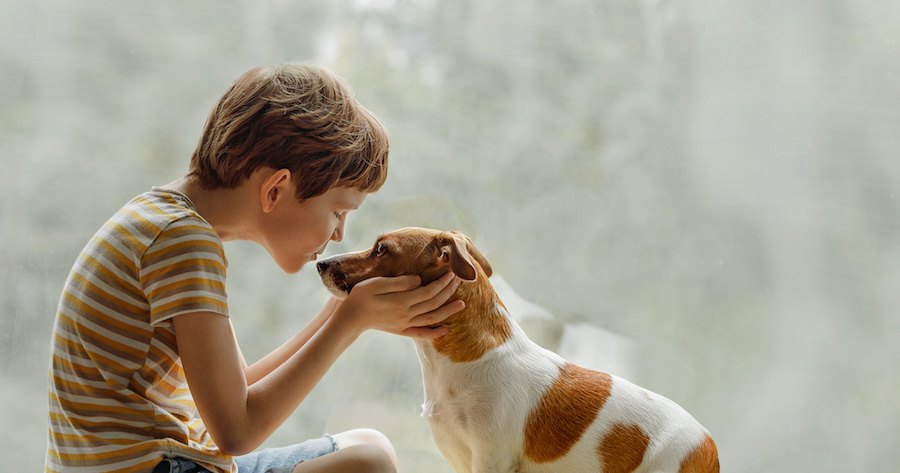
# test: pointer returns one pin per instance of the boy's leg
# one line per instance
(363, 450)
(366, 437)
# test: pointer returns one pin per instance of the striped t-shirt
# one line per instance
(118, 396)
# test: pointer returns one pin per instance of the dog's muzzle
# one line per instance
(332, 276)
(322, 266)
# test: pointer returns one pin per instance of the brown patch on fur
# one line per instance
(622, 448)
(479, 327)
(703, 459)
(565, 412)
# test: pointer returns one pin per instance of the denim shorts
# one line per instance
(269, 460)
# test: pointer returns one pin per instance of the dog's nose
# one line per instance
(322, 266)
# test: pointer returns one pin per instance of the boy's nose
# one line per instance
(338, 234)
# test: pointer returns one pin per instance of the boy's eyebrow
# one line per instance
(348, 206)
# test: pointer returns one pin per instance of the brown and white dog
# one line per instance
(497, 402)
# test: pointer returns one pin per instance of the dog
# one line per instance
(497, 402)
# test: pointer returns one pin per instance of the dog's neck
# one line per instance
(479, 327)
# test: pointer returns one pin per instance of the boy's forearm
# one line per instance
(274, 397)
(238, 416)
(277, 357)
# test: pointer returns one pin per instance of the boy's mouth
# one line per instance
(316, 255)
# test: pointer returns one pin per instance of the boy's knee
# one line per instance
(369, 458)
(373, 448)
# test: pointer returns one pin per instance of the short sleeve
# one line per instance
(183, 271)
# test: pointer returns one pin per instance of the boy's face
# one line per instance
(295, 232)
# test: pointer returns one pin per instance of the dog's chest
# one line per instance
(482, 406)
(459, 417)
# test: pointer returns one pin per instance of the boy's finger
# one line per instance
(438, 315)
(438, 300)
(432, 289)
(387, 285)
(426, 333)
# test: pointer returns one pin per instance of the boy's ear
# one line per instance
(274, 187)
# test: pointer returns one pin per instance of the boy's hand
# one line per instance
(399, 305)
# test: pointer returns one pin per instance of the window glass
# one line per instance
(699, 196)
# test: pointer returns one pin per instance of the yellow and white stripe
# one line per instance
(119, 401)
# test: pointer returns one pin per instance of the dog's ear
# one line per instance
(475, 253)
(457, 255)
(459, 252)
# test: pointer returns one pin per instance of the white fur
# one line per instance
(480, 427)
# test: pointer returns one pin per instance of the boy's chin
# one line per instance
(292, 267)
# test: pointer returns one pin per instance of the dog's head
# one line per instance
(426, 252)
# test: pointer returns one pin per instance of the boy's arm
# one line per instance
(240, 416)
(277, 357)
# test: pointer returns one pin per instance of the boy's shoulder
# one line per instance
(155, 215)
(161, 207)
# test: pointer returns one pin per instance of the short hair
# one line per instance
(292, 116)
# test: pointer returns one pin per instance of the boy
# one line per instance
(146, 373)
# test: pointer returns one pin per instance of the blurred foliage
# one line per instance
(715, 181)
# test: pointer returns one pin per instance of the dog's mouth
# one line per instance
(339, 278)
(334, 279)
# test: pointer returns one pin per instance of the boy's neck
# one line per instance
(226, 209)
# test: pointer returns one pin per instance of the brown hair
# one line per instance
(292, 116)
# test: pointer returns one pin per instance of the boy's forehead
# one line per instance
(349, 197)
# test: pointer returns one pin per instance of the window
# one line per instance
(712, 186)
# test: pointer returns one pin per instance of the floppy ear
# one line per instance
(460, 260)
(474, 252)
(459, 252)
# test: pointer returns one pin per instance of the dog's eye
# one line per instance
(379, 250)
